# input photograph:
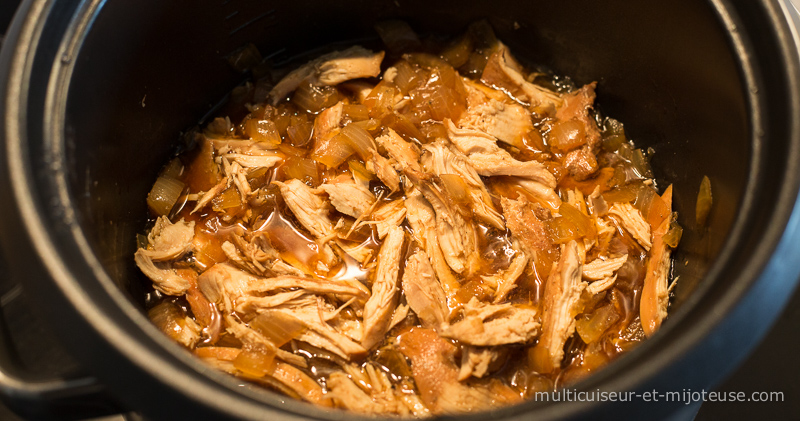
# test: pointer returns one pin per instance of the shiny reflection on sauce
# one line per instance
(351, 269)
(294, 247)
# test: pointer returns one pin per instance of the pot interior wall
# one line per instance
(148, 72)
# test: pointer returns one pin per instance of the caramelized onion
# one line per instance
(359, 139)
(360, 171)
(458, 52)
(230, 198)
(394, 361)
(407, 76)
(314, 98)
(673, 236)
(613, 135)
(334, 152)
(174, 169)
(303, 169)
(566, 135)
(299, 134)
(263, 131)
(381, 100)
(355, 112)
(255, 360)
(623, 194)
(571, 225)
(164, 194)
(592, 326)
(704, 201)
(403, 126)
(277, 326)
(640, 164)
(207, 249)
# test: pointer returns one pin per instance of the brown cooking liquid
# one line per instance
(622, 176)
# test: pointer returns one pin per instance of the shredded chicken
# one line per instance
(378, 309)
(248, 335)
(439, 159)
(168, 241)
(308, 207)
(417, 243)
(318, 333)
(655, 294)
(505, 281)
(327, 123)
(489, 159)
(422, 220)
(475, 362)
(236, 173)
(388, 215)
(424, 293)
(601, 268)
(456, 235)
(330, 69)
(254, 161)
(631, 219)
(436, 375)
(209, 195)
(503, 71)
(404, 153)
(224, 284)
(381, 167)
(561, 295)
(526, 227)
(164, 277)
(493, 324)
(312, 212)
(601, 285)
(349, 197)
(596, 203)
(508, 122)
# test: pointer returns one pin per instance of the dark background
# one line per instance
(772, 367)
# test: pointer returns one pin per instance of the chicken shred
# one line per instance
(508, 122)
(349, 197)
(490, 160)
(456, 235)
(330, 69)
(383, 301)
(424, 293)
(631, 219)
(439, 159)
(493, 324)
(601, 268)
(655, 293)
(503, 72)
(562, 292)
(475, 362)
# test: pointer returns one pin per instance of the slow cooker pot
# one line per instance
(95, 95)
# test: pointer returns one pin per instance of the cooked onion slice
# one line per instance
(164, 194)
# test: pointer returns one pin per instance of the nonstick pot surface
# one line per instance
(109, 87)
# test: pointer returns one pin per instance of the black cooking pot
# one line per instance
(96, 93)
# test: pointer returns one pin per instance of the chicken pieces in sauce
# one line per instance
(422, 232)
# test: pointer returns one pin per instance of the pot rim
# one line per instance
(168, 364)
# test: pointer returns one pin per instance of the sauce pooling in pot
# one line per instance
(422, 231)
